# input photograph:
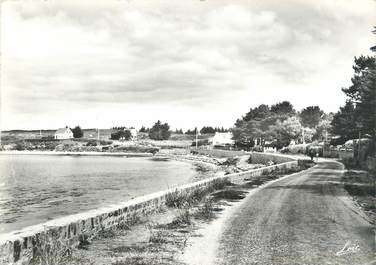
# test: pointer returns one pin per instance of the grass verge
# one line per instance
(361, 187)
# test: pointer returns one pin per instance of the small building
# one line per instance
(133, 133)
(63, 134)
(223, 139)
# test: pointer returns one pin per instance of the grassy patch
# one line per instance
(361, 186)
(229, 195)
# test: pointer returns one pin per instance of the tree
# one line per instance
(310, 116)
(207, 130)
(143, 129)
(160, 131)
(323, 128)
(258, 113)
(283, 108)
(284, 132)
(362, 93)
(77, 132)
(191, 132)
(121, 135)
(343, 122)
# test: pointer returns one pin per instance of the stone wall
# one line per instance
(18, 247)
(265, 158)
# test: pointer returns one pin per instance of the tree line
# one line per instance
(279, 124)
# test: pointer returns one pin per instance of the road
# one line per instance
(305, 219)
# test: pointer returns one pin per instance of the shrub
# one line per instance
(137, 149)
(160, 131)
(231, 161)
(121, 135)
(77, 132)
(20, 146)
(91, 143)
(104, 142)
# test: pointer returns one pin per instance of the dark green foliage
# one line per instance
(160, 131)
(77, 132)
(262, 123)
(360, 110)
(92, 143)
(191, 132)
(343, 122)
(310, 116)
(20, 146)
(284, 108)
(206, 130)
(121, 135)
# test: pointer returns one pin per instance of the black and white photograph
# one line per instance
(195, 132)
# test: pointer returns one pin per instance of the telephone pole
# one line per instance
(196, 138)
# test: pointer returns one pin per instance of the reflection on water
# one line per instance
(37, 188)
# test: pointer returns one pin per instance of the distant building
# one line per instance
(223, 139)
(63, 134)
(133, 133)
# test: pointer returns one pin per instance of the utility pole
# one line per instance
(359, 147)
(196, 138)
(303, 140)
(98, 133)
(326, 135)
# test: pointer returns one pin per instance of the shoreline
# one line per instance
(214, 171)
(93, 153)
(15, 245)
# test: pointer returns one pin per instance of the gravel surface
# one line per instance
(304, 219)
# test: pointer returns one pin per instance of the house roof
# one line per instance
(223, 137)
(63, 130)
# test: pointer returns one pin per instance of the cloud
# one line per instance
(198, 55)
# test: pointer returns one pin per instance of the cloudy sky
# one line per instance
(189, 63)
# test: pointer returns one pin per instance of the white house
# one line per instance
(63, 133)
(133, 133)
(223, 139)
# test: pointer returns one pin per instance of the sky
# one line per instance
(189, 63)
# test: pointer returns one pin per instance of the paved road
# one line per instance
(303, 219)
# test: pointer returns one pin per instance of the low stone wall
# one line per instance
(265, 158)
(18, 247)
(238, 178)
(219, 153)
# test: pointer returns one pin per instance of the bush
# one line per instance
(20, 146)
(295, 149)
(121, 135)
(257, 148)
(104, 142)
(160, 131)
(77, 132)
(91, 143)
(231, 161)
(137, 149)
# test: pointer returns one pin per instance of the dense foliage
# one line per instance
(207, 129)
(279, 124)
(358, 116)
(121, 135)
(160, 131)
(311, 116)
(77, 132)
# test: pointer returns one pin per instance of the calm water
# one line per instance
(37, 188)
